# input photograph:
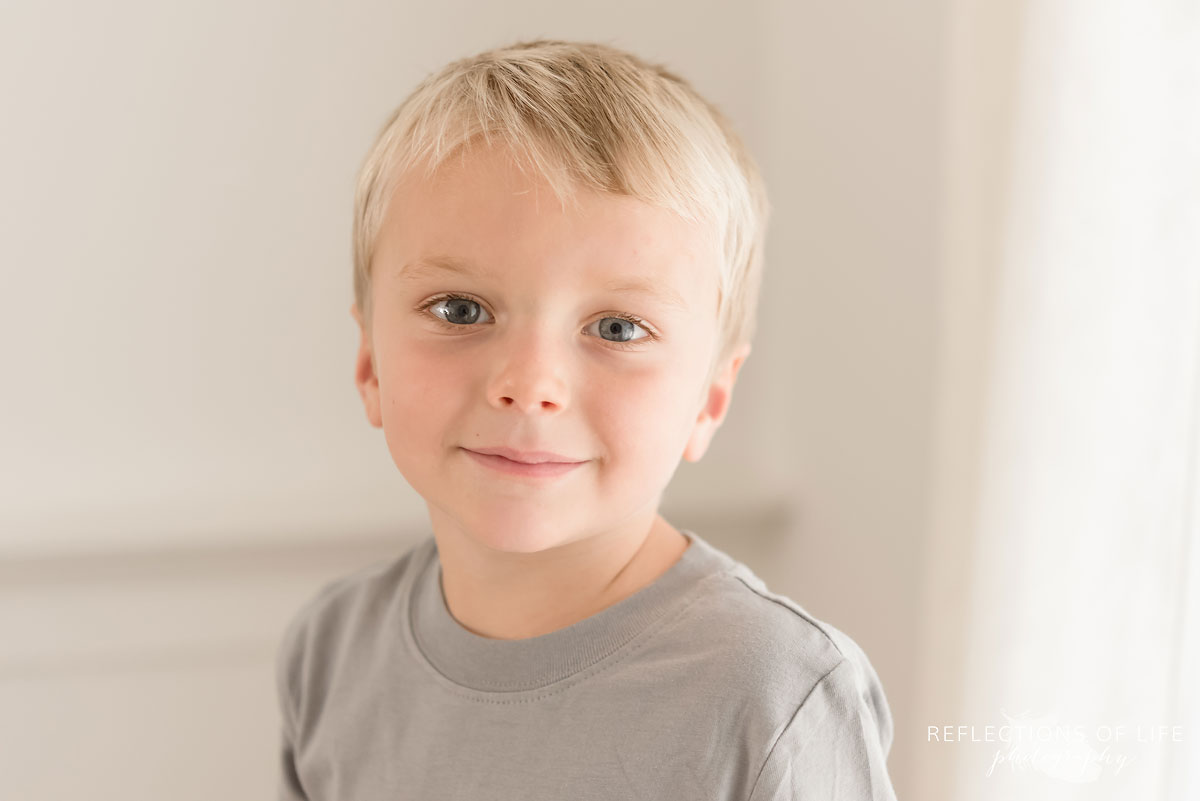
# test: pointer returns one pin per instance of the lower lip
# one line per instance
(543, 470)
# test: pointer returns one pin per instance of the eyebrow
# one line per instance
(430, 265)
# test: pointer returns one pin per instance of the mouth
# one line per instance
(512, 467)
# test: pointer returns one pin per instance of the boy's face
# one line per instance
(542, 355)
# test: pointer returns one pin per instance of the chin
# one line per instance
(520, 535)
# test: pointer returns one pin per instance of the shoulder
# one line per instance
(812, 681)
(850, 666)
(327, 620)
(783, 652)
(773, 631)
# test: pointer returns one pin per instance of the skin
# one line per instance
(533, 370)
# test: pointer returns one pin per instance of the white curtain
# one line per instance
(1082, 576)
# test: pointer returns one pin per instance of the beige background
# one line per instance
(185, 458)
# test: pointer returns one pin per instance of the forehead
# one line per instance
(483, 215)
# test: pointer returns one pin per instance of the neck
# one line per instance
(510, 596)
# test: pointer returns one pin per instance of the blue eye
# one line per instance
(622, 328)
(459, 310)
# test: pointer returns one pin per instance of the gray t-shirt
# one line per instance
(701, 685)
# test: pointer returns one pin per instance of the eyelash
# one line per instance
(629, 345)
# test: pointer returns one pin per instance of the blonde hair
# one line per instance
(591, 115)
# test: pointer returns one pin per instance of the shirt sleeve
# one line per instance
(288, 783)
(836, 744)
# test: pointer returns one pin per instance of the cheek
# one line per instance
(415, 395)
(644, 418)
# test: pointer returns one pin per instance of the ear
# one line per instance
(716, 404)
(364, 372)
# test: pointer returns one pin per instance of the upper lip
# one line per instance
(528, 457)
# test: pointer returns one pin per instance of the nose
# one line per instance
(531, 372)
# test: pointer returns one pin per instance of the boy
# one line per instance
(557, 256)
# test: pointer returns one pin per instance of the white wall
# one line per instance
(175, 190)
(177, 196)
